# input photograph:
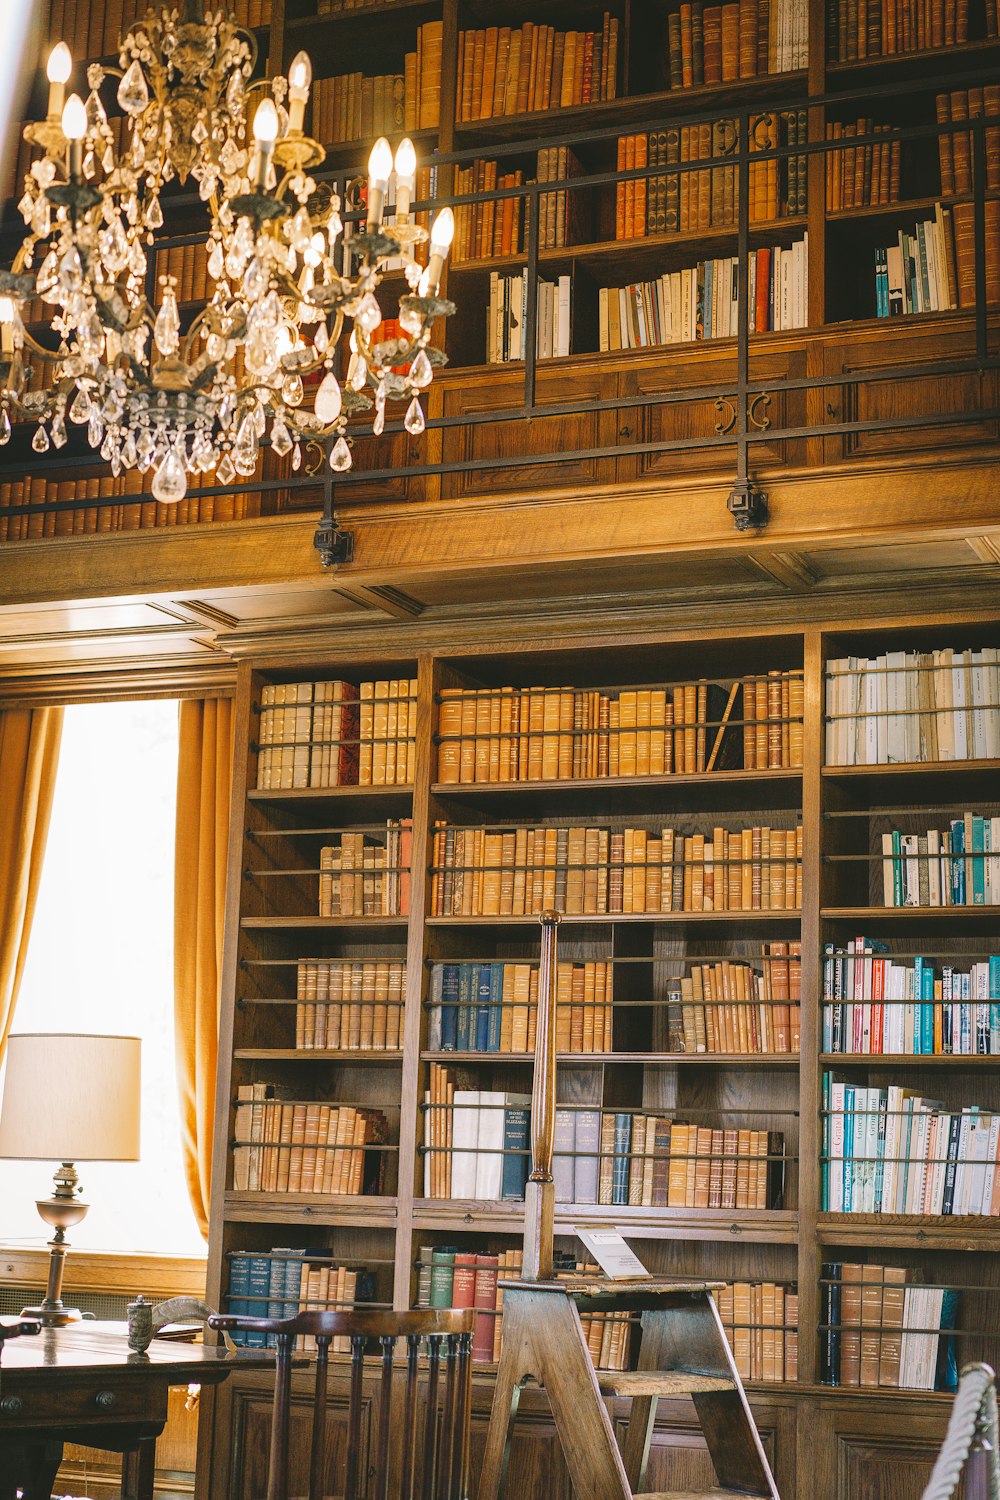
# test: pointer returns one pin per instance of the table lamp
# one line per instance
(68, 1098)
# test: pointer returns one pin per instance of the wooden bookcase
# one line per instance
(823, 1440)
(627, 439)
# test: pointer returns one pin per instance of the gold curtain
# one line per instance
(29, 755)
(204, 780)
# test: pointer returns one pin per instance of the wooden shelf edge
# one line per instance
(619, 783)
(584, 1059)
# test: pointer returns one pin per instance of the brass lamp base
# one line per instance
(60, 1212)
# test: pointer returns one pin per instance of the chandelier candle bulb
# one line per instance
(265, 133)
(379, 167)
(406, 176)
(7, 317)
(299, 81)
(60, 65)
(442, 234)
(74, 128)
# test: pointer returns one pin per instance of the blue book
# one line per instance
(516, 1144)
(466, 1033)
(946, 1378)
(483, 982)
(957, 862)
(449, 1007)
(496, 1008)
(622, 1148)
(978, 862)
(239, 1288)
(927, 1011)
(290, 1280)
(258, 1294)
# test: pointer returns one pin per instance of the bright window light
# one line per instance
(101, 960)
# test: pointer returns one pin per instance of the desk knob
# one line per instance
(105, 1400)
(11, 1406)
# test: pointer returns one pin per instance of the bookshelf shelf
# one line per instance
(908, 1230)
(315, 1054)
(909, 916)
(912, 771)
(652, 1059)
(395, 797)
(344, 924)
(953, 1061)
(672, 918)
(315, 1209)
(769, 1226)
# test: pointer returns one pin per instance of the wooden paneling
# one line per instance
(517, 442)
(707, 416)
(251, 1416)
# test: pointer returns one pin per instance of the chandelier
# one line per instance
(261, 362)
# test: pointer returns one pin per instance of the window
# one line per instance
(101, 960)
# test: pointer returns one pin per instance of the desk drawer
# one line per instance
(30, 1403)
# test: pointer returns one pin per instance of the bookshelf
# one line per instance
(822, 254)
(668, 1049)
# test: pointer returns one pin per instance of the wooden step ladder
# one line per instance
(683, 1350)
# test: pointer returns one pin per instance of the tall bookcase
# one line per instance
(823, 1438)
(837, 335)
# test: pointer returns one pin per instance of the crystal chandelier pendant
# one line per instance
(40, 441)
(340, 457)
(225, 473)
(421, 373)
(328, 400)
(133, 95)
(5, 428)
(414, 419)
(166, 329)
(169, 482)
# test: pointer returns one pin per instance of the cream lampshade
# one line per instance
(70, 1098)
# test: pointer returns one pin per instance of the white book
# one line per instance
(958, 690)
(489, 1144)
(465, 1142)
(895, 741)
(563, 343)
(934, 866)
(881, 711)
(991, 656)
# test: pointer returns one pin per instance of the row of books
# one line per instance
(296, 1146)
(955, 148)
(908, 706)
(356, 107)
(859, 176)
(729, 1007)
(760, 1319)
(882, 28)
(505, 70)
(486, 229)
(492, 1007)
(320, 734)
(352, 1005)
(709, 44)
(568, 733)
(187, 265)
(507, 318)
(79, 514)
(367, 875)
(879, 1327)
(701, 302)
(651, 1161)
(872, 1004)
(664, 203)
(476, 1146)
(631, 871)
(919, 272)
(956, 866)
(449, 1277)
(285, 1281)
(888, 1150)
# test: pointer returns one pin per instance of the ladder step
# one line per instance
(695, 1495)
(659, 1383)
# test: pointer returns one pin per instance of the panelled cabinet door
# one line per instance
(908, 400)
(520, 443)
(710, 415)
(249, 1436)
(865, 1450)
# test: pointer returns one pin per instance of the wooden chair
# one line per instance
(420, 1455)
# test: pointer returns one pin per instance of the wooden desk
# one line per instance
(82, 1384)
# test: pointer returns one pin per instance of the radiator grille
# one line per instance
(108, 1306)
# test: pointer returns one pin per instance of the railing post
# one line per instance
(540, 1189)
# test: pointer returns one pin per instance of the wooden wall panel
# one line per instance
(250, 1417)
(504, 389)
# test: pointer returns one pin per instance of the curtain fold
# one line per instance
(204, 781)
(29, 756)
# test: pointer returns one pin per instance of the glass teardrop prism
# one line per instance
(40, 441)
(340, 458)
(328, 399)
(133, 95)
(4, 426)
(169, 481)
(421, 373)
(414, 419)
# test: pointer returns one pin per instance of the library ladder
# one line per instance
(683, 1349)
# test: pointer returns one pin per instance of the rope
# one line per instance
(973, 1421)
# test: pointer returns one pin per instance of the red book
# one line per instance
(463, 1290)
(485, 1304)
